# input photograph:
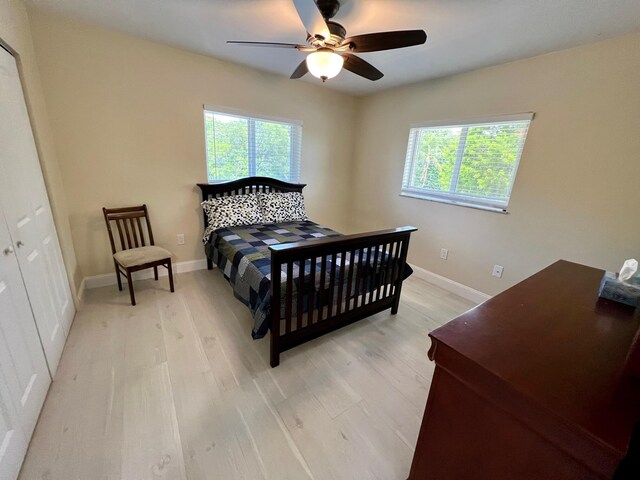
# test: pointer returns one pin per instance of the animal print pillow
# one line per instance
(282, 207)
(231, 211)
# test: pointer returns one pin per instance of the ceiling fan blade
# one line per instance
(300, 71)
(311, 18)
(266, 44)
(360, 67)
(375, 42)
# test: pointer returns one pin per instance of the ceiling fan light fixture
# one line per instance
(324, 63)
(331, 49)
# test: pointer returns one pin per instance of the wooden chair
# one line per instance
(135, 254)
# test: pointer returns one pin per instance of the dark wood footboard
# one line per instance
(347, 278)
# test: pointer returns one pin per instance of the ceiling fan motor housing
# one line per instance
(328, 8)
(338, 32)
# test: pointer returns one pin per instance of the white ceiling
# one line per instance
(462, 34)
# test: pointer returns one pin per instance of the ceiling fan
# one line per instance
(329, 47)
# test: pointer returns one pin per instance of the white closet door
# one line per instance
(29, 217)
(24, 378)
(13, 444)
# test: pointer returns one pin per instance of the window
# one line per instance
(239, 146)
(466, 163)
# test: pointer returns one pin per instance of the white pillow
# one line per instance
(282, 207)
(231, 211)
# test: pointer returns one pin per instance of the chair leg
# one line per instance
(155, 273)
(118, 277)
(170, 275)
(130, 282)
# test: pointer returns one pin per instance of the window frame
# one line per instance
(451, 197)
(295, 149)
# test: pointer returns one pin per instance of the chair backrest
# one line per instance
(129, 222)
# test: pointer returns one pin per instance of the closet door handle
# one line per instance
(19, 244)
(8, 251)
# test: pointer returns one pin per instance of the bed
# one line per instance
(300, 279)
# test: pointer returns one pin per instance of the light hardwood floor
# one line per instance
(175, 388)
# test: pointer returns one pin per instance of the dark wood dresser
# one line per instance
(535, 383)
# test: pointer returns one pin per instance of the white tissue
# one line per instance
(628, 270)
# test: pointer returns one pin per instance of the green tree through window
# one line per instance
(471, 164)
(238, 146)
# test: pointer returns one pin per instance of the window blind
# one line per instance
(239, 146)
(466, 163)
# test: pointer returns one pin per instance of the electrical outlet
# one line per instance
(444, 253)
(497, 271)
(181, 239)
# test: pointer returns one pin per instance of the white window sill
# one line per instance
(451, 201)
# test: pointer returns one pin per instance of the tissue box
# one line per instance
(613, 289)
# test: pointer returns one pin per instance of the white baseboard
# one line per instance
(81, 290)
(107, 279)
(451, 285)
(97, 281)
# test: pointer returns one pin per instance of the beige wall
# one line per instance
(128, 122)
(127, 118)
(577, 192)
(15, 32)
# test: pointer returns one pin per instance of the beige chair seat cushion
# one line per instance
(139, 256)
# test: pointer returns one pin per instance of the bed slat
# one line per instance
(349, 281)
(384, 259)
(299, 294)
(359, 267)
(391, 269)
(374, 273)
(288, 300)
(332, 284)
(341, 281)
(321, 289)
(311, 292)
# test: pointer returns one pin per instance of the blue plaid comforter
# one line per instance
(242, 254)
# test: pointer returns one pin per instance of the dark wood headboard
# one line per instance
(242, 186)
